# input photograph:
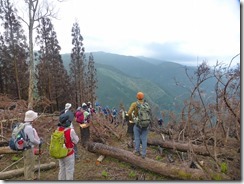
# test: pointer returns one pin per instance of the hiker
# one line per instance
(122, 113)
(85, 128)
(90, 109)
(33, 138)
(67, 164)
(114, 116)
(160, 122)
(140, 132)
(67, 110)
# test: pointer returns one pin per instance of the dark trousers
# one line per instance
(85, 135)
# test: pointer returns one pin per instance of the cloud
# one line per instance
(180, 30)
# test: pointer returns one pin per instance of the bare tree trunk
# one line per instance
(31, 62)
(164, 169)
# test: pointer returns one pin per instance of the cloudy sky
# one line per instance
(183, 31)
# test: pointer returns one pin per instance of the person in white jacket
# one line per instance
(33, 139)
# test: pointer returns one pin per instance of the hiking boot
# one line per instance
(136, 153)
(143, 156)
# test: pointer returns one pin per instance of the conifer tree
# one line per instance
(13, 54)
(77, 65)
(53, 81)
(91, 80)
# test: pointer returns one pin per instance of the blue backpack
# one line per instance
(18, 141)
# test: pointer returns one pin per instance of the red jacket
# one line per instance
(68, 143)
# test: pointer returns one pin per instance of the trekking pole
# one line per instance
(39, 161)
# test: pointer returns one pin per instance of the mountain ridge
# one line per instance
(121, 77)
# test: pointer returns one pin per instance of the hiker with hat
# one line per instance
(67, 111)
(33, 139)
(140, 132)
(85, 125)
(67, 164)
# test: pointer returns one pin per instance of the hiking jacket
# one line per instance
(70, 138)
(31, 134)
(133, 108)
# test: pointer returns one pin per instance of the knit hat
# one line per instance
(30, 116)
(67, 106)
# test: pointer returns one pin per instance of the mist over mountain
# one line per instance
(121, 77)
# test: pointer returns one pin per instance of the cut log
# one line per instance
(100, 159)
(164, 169)
(7, 150)
(19, 172)
(4, 143)
(201, 150)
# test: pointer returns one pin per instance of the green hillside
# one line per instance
(121, 77)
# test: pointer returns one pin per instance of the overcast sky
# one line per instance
(183, 31)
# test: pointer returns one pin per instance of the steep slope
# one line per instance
(115, 87)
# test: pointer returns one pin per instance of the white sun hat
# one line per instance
(67, 106)
(30, 115)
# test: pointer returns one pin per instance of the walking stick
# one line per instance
(39, 162)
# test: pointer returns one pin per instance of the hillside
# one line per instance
(120, 77)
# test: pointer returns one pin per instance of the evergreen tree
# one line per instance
(53, 81)
(13, 54)
(91, 80)
(77, 66)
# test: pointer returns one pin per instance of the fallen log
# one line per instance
(7, 150)
(4, 143)
(19, 172)
(184, 147)
(168, 170)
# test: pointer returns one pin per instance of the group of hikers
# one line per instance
(138, 117)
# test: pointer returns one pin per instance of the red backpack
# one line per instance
(79, 117)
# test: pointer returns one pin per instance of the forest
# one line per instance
(203, 142)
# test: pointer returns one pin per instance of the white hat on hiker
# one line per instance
(30, 116)
(67, 106)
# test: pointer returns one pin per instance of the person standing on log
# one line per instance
(33, 139)
(140, 129)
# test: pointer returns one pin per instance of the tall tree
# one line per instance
(91, 80)
(13, 52)
(77, 65)
(37, 9)
(53, 80)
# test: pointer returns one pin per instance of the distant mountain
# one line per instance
(121, 77)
